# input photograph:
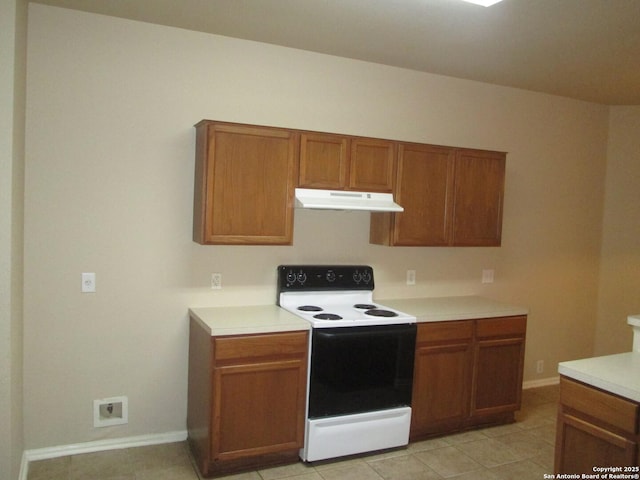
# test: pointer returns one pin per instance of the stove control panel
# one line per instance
(324, 277)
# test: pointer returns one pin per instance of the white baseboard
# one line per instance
(24, 467)
(96, 446)
(153, 439)
(543, 382)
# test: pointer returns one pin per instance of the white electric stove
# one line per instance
(361, 358)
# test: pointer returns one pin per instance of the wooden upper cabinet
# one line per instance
(372, 166)
(451, 197)
(478, 197)
(324, 161)
(244, 184)
(338, 162)
(424, 187)
(246, 176)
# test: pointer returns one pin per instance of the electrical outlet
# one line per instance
(110, 411)
(88, 282)
(216, 281)
(487, 275)
(411, 277)
(540, 366)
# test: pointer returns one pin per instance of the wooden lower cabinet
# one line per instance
(498, 368)
(595, 429)
(246, 399)
(467, 373)
(442, 373)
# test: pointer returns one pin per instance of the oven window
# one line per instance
(360, 369)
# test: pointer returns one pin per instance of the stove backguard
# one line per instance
(301, 278)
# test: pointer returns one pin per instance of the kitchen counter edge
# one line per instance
(618, 374)
(246, 320)
(442, 309)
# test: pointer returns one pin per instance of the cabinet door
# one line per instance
(450, 197)
(581, 445)
(498, 365)
(478, 198)
(258, 409)
(372, 165)
(594, 428)
(324, 161)
(244, 184)
(440, 400)
(424, 188)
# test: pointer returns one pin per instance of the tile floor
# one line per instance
(519, 451)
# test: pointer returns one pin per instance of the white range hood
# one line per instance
(345, 200)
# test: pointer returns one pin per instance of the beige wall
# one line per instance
(109, 174)
(620, 265)
(12, 96)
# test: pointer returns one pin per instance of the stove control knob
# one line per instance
(302, 277)
(291, 277)
(357, 276)
(331, 276)
(366, 276)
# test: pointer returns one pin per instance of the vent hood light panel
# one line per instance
(345, 200)
(484, 3)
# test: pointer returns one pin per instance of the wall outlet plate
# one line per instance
(88, 282)
(487, 275)
(411, 277)
(110, 411)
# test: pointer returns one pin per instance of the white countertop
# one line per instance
(618, 374)
(247, 319)
(439, 309)
(634, 320)
(271, 318)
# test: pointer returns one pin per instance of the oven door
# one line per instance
(360, 369)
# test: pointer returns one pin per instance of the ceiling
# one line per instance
(583, 49)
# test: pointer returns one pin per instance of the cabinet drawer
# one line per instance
(444, 331)
(603, 406)
(500, 327)
(256, 346)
